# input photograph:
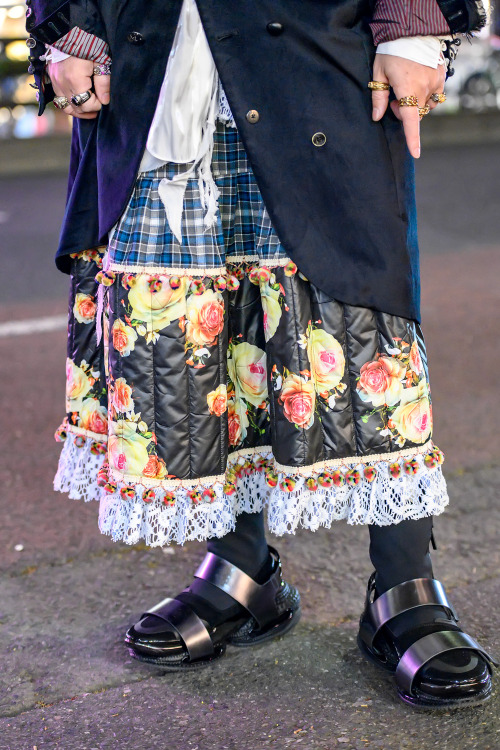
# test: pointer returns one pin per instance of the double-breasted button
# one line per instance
(275, 28)
(30, 42)
(135, 38)
(319, 139)
(253, 116)
(29, 11)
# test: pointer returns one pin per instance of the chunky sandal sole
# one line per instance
(173, 664)
(282, 629)
(419, 702)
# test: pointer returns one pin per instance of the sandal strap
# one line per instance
(430, 646)
(187, 624)
(258, 599)
(418, 592)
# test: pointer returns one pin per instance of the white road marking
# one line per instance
(33, 325)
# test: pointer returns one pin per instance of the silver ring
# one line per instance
(102, 69)
(60, 102)
(79, 99)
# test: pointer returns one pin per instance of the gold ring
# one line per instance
(378, 86)
(408, 101)
(422, 111)
(439, 98)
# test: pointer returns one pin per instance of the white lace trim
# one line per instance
(77, 471)
(383, 501)
(167, 270)
(224, 114)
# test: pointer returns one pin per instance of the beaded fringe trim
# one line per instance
(383, 492)
(107, 276)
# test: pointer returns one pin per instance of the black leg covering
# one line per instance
(246, 546)
(401, 552)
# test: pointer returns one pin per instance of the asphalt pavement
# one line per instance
(68, 593)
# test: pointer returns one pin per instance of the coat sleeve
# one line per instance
(393, 19)
(47, 21)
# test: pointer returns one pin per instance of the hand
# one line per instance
(74, 76)
(407, 78)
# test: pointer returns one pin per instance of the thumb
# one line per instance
(101, 86)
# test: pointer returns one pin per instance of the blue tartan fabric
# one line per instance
(143, 236)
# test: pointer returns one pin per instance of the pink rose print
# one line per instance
(298, 399)
(380, 381)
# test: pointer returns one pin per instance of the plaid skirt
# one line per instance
(224, 381)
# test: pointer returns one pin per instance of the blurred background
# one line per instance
(474, 87)
(56, 561)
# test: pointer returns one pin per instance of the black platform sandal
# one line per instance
(436, 665)
(189, 642)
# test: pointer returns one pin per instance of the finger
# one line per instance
(380, 99)
(102, 87)
(92, 105)
(411, 124)
(72, 111)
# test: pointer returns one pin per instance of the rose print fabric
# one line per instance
(237, 386)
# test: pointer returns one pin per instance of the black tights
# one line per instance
(398, 552)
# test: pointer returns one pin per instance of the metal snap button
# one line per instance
(30, 42)
(135, 38)
(275, 28)
(253, 116)
(319, 139)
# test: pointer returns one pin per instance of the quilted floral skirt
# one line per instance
(218, 380)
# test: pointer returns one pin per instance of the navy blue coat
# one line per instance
(344, 211)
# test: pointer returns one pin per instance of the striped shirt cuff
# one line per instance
(394, 19)
(79, 43)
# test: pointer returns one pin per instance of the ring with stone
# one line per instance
(79, 99)
(438, 98)
(102, 69)
(60, 102)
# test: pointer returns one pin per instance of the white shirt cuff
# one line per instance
(425, 50)
(54, 55)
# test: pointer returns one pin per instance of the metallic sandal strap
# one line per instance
(258, 599)
(427, 648)
(187, 624)
(418, 592)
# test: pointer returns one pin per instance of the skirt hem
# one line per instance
(390, 491)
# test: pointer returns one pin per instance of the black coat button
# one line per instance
(319, 139)
(253, 116)
(135, 38)
(275, 28)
